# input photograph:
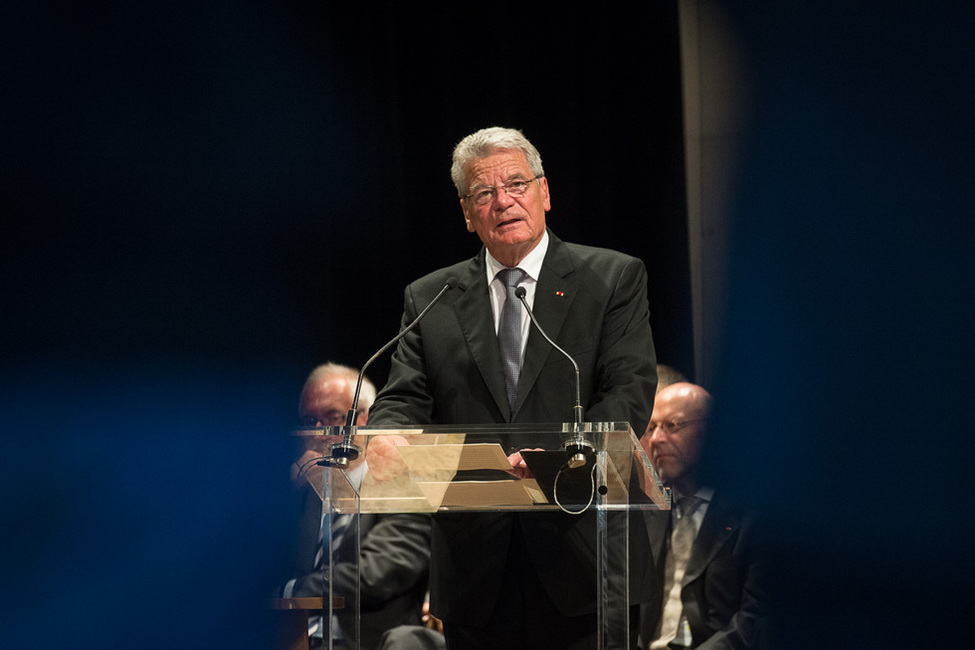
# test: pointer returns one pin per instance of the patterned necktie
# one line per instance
(509, 331)
(681, 541)
(340, 523)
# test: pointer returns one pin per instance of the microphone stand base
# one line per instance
(343, 453)
(578, 452)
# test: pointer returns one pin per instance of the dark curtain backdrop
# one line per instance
(262, 179)
(211, 198)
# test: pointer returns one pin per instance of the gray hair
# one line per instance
(667, 375)
(367, 394)
(486, 142)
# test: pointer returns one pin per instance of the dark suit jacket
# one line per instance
(394, 559)
(448, 370)
(722, 589)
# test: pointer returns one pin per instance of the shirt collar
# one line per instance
(531, 265)
(704, 494)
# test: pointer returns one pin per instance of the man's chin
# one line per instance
(517, 237)
(666, 472)
(513, 233)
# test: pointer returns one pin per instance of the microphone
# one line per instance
(345, 452)
(577, 449)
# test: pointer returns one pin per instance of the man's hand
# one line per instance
(385, 463)
(430, 621)
(518, 466)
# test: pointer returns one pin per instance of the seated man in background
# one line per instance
(394, 555)
(704, 550)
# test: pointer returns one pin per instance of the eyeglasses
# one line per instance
(515, 189)
(331, 418)
(671, 426)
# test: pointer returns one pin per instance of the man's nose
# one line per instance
(656, 433)
(501, 198)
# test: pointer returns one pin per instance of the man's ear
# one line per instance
(467, 221)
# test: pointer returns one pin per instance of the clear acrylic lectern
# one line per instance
(465, 469)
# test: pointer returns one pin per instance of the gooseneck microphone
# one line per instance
(344, 452)
(578, 448)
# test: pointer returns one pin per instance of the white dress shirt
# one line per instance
(532, 266)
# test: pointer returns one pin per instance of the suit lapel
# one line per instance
(554, 294)
(658, 529)
(719, 524)
(310, 530)
(473, 309)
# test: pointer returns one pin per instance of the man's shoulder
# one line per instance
(462, 272)
(583, 251)
(732, 510)
(604, 262)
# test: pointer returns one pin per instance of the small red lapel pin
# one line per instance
(559, 294)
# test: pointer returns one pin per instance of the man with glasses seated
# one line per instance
(706, 569)
(394, 554)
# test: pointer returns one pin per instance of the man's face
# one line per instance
(675, 454)
(509, 228)
(326, 403)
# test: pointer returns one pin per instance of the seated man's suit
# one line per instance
(721, 588)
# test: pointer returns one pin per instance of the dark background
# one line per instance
(204, 200)
(846, 381)
(212, 198)
(262, 181)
